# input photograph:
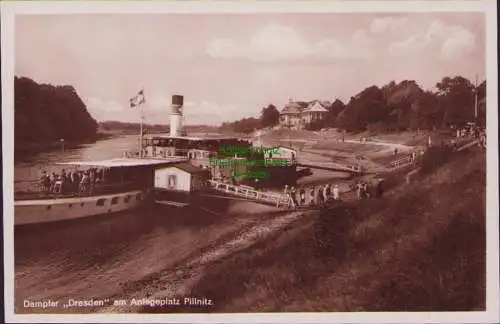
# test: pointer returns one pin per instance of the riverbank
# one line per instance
(420, 248)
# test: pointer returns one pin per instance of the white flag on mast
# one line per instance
(139, 99)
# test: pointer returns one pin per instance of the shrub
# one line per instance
(434, 157)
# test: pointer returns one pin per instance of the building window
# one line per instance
(138, 197)
(114, 200)
(100, 202)
(126, 199)
(172, 181)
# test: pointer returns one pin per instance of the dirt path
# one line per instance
(389, 145)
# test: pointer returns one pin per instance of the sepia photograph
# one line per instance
(163, 160)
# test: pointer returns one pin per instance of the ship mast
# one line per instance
(141, 111)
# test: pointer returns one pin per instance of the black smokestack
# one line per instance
(177, 100)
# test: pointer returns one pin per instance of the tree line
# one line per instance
(393, 107)
(44, 113)
(132, 128)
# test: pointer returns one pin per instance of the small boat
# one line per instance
(111, 186)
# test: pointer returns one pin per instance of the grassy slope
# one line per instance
(421, 247)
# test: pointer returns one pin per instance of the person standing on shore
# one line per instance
(293, 195)
(325, 194)
(336, 193)
(380, 187)
(366, 193)
(359, 190)
(312, 197)
(302, 193)
(319, 196)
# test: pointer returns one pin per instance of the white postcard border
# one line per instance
(10, 9)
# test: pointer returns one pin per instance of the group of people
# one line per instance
(365, 190)
(472, 131)
(71, 182)
(313, 196)
(323, 194)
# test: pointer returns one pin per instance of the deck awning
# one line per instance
(125, 162)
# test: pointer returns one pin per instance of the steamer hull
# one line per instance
(61, 209)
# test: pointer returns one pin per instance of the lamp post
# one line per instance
(62, 144)
(475, 100)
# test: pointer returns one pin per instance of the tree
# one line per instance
(334, 110)
(456, 100)
(270, 116)
(366, 107)
(245, 125)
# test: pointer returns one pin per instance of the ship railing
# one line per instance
(280, 200)
(37, 190)
(154, 156)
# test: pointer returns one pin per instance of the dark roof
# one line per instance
(292, 108)
(189, 168)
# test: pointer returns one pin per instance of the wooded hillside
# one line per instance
(45, 113)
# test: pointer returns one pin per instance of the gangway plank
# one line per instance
(248, 193)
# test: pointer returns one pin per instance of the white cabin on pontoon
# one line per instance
(177, 184)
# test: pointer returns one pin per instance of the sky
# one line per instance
(231, 66)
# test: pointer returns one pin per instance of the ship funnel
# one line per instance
(176, 116)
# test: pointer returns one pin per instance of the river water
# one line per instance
(116, 254)
(109, 255)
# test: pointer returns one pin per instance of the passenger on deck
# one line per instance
(45, 182)
(64, 181)
(76, 181)
(91, 180)
(52, 179)
(84, 183)
(57, 184)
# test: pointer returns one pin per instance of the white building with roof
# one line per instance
(314, 112)
(290, 115)
(296, 116)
